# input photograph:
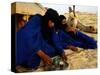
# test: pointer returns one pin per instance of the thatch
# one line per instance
(27, 8)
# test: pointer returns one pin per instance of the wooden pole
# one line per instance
(74, 10)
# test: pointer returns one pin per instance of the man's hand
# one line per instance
(64, 58)
(46, 59)
(72, 29)
(73, 48)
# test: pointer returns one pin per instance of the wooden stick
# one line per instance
(74, 10)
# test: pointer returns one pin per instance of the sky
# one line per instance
(62, 8)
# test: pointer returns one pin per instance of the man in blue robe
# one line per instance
(73, 37)
(32, 47)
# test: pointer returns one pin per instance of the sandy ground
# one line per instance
(84, 58)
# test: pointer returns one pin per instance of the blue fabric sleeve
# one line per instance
(57, 43)
(89, 42)
(32, 34)
(68, 40)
